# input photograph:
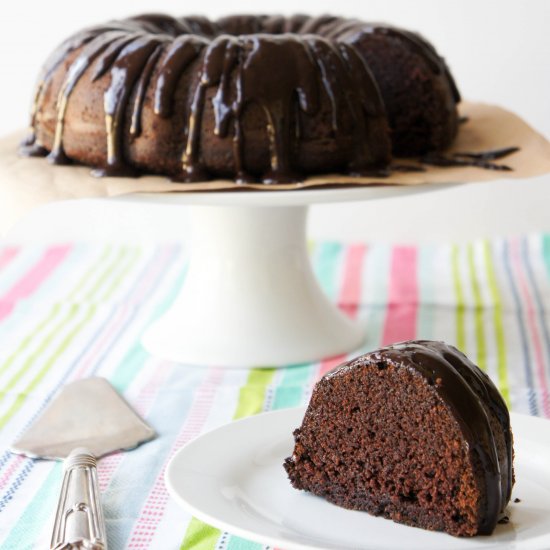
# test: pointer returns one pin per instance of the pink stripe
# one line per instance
(153, 510)
(532, 323)
(350, 295)
(111, 329)
(108, 334)
(7, 255)
(400, 323)
(33, 278)
(17, 461)
(142, 405)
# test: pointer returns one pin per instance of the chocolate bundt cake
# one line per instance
(413, 432)
(244, 97)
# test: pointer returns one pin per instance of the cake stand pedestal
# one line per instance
(250, 297)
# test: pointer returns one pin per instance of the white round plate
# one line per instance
(233, 479)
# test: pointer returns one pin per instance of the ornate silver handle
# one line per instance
(79, 522)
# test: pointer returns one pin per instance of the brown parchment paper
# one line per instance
(26, 183)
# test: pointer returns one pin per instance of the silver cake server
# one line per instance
(86, 420)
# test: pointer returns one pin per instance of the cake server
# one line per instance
(88, 419)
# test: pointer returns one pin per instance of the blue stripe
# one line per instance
(4, 500)
(24, 532)
(538, 299)
(378, 262)
(426, 289)
(325, 265)
(129, 485)
(524, 342)
(26, 309)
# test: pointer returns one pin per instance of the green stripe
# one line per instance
(252, 394)
(54, 357)
(459, 295)
(326, 266)
(546, 252)
(89, 274)
(478, 312)
(128, 368)
(51, 486)
(123, 275)
(53, 312)
(290, 391)
(72, 311)
(28, 363)
(133, 361)
(16, 405)
(28, 339)
(237, 543)
(106, 274)
(200, 536)
(499, 325)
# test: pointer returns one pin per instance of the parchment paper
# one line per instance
(29, 182)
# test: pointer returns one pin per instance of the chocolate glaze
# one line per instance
(241, 48)
(493, 154)
(29, 148)
(467, 390)
(401, 167)
(350, 31)
(477, 160)
(296, 86)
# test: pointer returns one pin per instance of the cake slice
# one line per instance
(413, 432)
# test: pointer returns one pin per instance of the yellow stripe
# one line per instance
(56, 308)
(106, 274)
(20, 399)
(502, 368)
(89, 275)
(200, 536)
(60, 349)
(252, 394)
(478, 312)
(121, 276)
(46, 341)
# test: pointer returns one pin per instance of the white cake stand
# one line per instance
(250, 297)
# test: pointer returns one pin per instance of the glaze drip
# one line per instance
(282, 94)
(77, 69)
(126, 70)
(481, 159)
(183, 51)
(238, 60)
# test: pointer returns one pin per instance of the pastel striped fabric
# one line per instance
(75, 310)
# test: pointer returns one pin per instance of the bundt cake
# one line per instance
(414, 432)
(250, 98)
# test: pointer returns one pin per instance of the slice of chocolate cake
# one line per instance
(414, 432)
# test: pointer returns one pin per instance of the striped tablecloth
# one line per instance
(76, 310)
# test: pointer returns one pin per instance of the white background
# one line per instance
(499, 52)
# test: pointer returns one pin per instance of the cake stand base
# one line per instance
(250, 297)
